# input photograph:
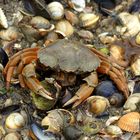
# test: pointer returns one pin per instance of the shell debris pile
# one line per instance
(65, 68)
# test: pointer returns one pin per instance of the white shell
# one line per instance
(64, 28)
(56, 10)
(3, 20)
(131, 22)
(135, 66)
(88, 20)
(132, 102)
(15, 121)
(113, 130)
(12, 136)
(78, 5)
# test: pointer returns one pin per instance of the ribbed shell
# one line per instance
(130, 122)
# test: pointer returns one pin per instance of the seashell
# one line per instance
(131, 22)
(88, 20)
(138, 38)
(130, 122)
(9, 109)
(117, 100)
(105, 38)
(15, 121)
(113, 130)
(112, 120)
(97, 104)
(3, 20)
(40, 22)
(77, 5)
(135, 7)
(3, 57)
(30, 33)
(132, 102)
(48, 135)
(71, 17)
(86, 35)
(135, 66)
(36, 7)
(56, 118)
(12, 33)
(52, 36)
(13, 136)
(56, 10)
(65, 28)
(105, 89)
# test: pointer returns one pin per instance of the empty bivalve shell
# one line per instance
(130, 122)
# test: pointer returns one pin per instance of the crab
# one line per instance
(68, 59)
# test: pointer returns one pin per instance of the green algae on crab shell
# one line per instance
(69, 56)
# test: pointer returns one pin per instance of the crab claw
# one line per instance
(33, 83)
(85, 91)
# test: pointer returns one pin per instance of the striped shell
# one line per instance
(130, 122)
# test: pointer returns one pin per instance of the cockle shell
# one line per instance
(88, 20)
(12, 136)
(15, 121)
(132, 102)
(65, 28)
(55, 10)
(130, 122)
(3, 20)
(97, 104)
(12, 33)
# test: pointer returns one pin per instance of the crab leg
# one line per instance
(33, 84)
(8, 77)
(14, 60)
(116, 75)
(84, 92)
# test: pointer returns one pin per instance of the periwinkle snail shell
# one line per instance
(15, 121)
(117, 100)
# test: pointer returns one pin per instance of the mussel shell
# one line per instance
(117, 100)
(105, 89)
(3, 57)
(36, 7)
(135, 7)
(130, 122)
(9, 109)
(48, 135)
